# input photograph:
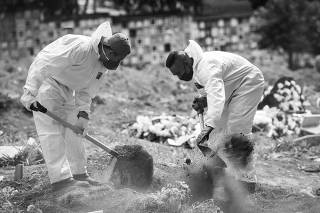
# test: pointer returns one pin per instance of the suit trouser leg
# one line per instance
(237, 118)
(51, 133)
(242, 110)
(75, 148)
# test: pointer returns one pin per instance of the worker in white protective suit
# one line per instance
(64, 77)
(231, 88)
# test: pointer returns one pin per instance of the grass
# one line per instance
(18, 195)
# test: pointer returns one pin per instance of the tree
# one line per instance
(313, 24)
(85, 7)
(59, 8)
(158, 6)
(257, 3)
(50, 8)
(284, 26)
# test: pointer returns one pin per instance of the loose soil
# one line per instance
(282, 185)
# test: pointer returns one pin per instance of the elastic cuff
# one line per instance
(210, 125)
(83, 114)
(85, 107)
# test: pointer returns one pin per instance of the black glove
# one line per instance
(83, 114)
(204, 135)
(199, 103)
(82, 122)
(36, 106)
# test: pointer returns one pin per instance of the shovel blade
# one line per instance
(217, 162)
(205, 150)
(214, 158)
(110, 169)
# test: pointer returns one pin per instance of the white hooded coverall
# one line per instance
(233, 87)
(64, 76)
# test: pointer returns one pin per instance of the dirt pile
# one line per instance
(171, 198)
(239, 150)
(207, 206)
(134, 168)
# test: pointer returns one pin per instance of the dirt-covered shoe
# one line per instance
(87, 178)
(68, 184)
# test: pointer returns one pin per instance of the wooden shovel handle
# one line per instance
(200, 115)
(79, 131)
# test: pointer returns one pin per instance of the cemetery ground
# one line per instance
(288, 173)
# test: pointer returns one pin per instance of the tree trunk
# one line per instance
(94, 6)
(85, 7)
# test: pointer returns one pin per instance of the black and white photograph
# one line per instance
(160, 106)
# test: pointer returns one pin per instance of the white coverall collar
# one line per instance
(194, 51)
(103, 29)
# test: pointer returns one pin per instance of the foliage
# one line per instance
(17, 196)
(289, 25)
(173, 198)
(60, 7)
(150, 6)
(29, 155)
(282, 27)
(313, 25)
(257, 3)
(49, 7)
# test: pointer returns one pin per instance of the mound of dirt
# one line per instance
(134, 168)
(200, 182)
(171, 198)
(239, 150)
(205, 207)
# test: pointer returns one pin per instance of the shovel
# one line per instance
(204, 170)
(93, 140)
(206, 151)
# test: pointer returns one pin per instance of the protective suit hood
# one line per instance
(103, 29)
(194, 51)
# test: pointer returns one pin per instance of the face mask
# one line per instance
(182, 69)
(187, 74)
(107, 63)
(111, 65)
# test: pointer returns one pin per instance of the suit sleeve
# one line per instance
(84, 96)
(45, 64)
(215, 91)
(83, 100)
